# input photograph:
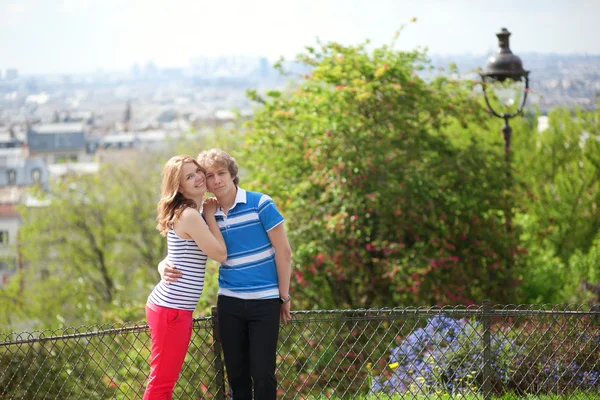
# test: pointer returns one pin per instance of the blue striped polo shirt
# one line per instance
(250, 271)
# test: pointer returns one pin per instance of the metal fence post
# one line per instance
(487, 351)
(219, 368)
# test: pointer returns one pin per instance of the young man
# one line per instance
(254, 281)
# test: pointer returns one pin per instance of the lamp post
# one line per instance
(502, 66)
(505, 67)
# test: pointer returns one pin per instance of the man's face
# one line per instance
(219, 180)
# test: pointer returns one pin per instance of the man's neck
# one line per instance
(227, 200)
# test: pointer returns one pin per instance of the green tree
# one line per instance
(92, 246)
(386, 206)
(559, 172)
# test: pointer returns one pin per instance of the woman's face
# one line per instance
(193, 181)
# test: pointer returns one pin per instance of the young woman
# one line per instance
(190, 239)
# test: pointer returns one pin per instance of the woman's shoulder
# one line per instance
(188, 221)
(189, 214)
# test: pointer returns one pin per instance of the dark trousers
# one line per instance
(249, 330)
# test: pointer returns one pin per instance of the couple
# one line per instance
(243, 231)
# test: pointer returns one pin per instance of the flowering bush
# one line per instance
(558, 357)
(446, 357)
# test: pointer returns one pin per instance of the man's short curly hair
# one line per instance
(217, 157)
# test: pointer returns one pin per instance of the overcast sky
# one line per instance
(71, 36)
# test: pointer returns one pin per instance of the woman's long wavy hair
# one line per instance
(172, 203)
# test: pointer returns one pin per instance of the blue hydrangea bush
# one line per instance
(446, 357)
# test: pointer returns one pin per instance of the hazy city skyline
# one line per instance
(80, 36)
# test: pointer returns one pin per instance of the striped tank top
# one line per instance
(191, 261)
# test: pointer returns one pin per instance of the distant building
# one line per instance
(167, 116)
(124, 146)
(16, 175)
(19, 170)
(57, 143)
(58, 171)
(127, 116)
(81, 116)
(11, 73)
(157, 141)
(115, 148)
(10, 220)
(123, 141)
(9, 139)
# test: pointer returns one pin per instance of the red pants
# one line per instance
(171, 330)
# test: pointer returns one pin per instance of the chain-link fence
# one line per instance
(478, 352)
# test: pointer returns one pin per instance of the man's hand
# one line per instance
(284, 313)
(209, 206)
(168, 271)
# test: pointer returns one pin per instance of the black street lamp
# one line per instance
(502, 66)
(505, 68)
